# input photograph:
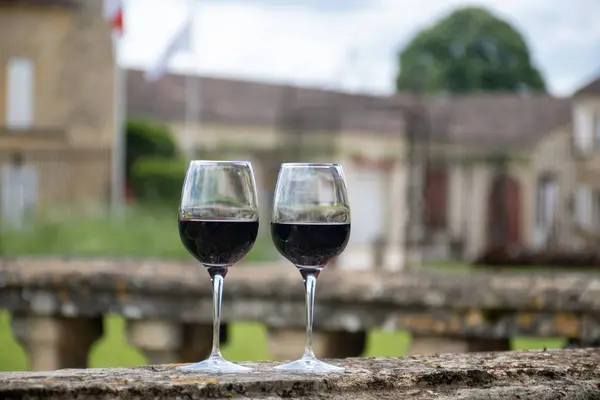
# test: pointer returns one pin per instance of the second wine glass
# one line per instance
(310, 227)
(218, 225)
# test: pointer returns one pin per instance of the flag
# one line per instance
(113, 12)
(180, 43)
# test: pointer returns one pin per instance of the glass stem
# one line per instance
(217, 276)
(310, 280)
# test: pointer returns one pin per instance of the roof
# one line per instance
(591, 88)
(497, 119)
(507, 119)
(238, 102)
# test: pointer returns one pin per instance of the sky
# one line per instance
(349, 45)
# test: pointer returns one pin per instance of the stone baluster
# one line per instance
(165, 342)
(53, 342)
(288, 343)
(158, 339)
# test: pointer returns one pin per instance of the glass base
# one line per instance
(216, 365)
(310, 366)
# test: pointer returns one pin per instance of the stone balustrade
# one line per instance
(538, 375)
(57, 307)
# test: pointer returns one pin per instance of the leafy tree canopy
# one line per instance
(469, 50)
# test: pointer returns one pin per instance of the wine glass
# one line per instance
(218, 225)
(310, 227)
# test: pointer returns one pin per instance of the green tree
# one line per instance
(469, 50)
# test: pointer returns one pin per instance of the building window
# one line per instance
(597, 132)
(19, 93)
(546, 199)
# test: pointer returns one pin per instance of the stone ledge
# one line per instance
(560, 374)
(539, 291)
(482, 305)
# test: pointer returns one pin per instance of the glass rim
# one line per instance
(310, 165)
(219, 162)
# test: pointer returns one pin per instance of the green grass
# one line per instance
(248, 341)
(142, 233)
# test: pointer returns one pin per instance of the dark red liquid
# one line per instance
(310, 245)
(218, 243)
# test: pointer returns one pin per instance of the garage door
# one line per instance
(367, 201)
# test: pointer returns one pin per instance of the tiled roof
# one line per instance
(590, 88)
(498, 119)
(238, 102)
(495, 119)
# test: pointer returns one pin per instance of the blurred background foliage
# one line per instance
(470, 50)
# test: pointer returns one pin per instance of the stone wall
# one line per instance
(566, 374)
(70, 47)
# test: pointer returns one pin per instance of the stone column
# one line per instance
(167, 342)
(159, 340)
(456, 195)
(395, 251)
(197, 342)
(56, 342)
(288, 343)
(414, 222)
(476, 216)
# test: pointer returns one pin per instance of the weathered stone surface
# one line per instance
(474, 304)
(495, 290)
(566, 374)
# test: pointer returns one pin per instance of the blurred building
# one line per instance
(56, 99)
(479, 180)
(466, 172)
(270, 124)
(571, 177)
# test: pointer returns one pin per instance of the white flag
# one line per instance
(180, 43)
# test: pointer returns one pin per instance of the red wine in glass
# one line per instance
(310, 244)
(218, 242)
(218, 225)
(310, 227)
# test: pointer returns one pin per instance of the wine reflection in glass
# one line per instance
(218, 225)
(310, 227)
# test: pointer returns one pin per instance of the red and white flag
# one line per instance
(113, 12)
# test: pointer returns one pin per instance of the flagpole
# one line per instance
(118, 159)
(192, 87)
(179, 43)
(192, 98)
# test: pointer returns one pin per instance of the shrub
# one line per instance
(147, 138)
(158, 180)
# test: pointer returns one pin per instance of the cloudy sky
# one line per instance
(348, 44)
